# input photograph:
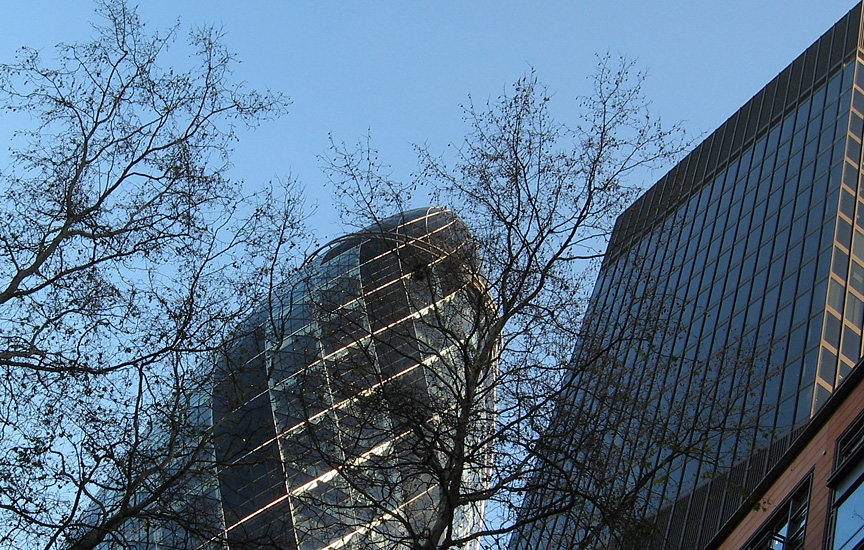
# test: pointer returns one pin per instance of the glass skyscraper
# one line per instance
(752, 246)
(317, 405)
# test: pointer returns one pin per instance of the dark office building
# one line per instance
(317, 403)
(753, 247)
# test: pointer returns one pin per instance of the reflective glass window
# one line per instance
(858, 245)
(856, 125)
(781, 237)
(834, 86)
(855, 311)
(785, 529)
(832, 331)
(803, 113)
(815, 127)
(847, 511)
(847, 73)
(826, 140)
(859, 75)
(847, 203)
(851, 347)
(836, 294)
(856, 277)
(840, 263)
(811, 245)
(806, 276)
(798, 140)
(818, 100)
(853, 150)
(858, 101)
(785, 215)
(844, 233)
(849, 527)
(787, 289)
(799, 226)
(773, 139)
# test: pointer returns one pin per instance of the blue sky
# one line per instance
(400, 70)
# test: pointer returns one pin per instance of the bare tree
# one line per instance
(128, 258)
(499, 330)
(403, 399)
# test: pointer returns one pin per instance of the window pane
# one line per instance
(849, 529)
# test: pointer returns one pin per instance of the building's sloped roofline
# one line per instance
(777, 99)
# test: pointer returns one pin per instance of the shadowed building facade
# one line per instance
(752, 246)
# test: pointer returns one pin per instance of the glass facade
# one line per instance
(752, 247)
(350, 359)
(317, 404)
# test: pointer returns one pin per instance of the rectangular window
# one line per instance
(847, 513)
(855, 311)
(785, 529)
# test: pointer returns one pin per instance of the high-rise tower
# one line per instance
(346, 366)
(754, 245)
(324, 406)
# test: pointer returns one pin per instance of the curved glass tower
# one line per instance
(328, 410)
